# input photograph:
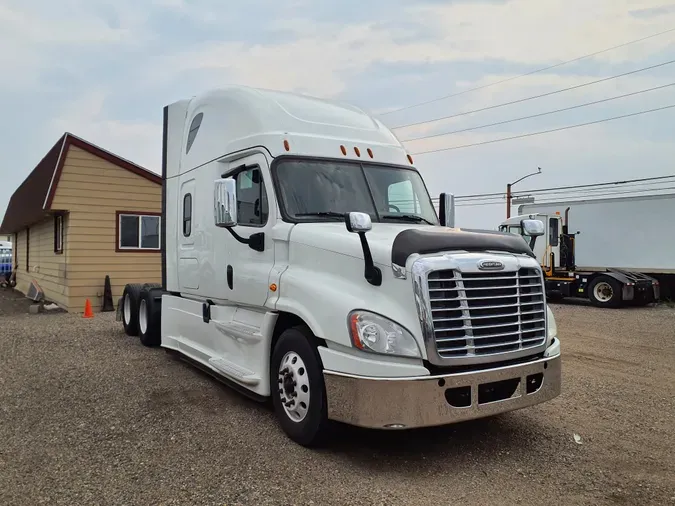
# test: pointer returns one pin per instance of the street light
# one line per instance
(508, 191)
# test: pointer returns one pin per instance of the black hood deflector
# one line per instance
(414, 240)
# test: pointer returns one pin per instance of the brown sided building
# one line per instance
(84, 213)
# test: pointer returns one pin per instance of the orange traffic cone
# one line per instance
(88, 313)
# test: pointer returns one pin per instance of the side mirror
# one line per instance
(358, 222)
(446, 208)
(225, 202)
(532, 228)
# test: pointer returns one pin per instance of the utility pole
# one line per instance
(508, 191)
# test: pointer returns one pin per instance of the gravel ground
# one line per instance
(89, 416)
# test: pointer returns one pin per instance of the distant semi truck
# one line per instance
(614, 251)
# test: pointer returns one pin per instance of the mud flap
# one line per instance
(118, 315)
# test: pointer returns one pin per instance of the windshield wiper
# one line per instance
(326, 214)
(406, 217)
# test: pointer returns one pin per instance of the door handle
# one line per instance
(230, 275)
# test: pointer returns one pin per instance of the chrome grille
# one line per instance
(478, 314)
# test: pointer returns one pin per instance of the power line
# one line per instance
(540, 114)
(571, 201)
(559, 195)
(545, 194)
(609, 183)
(531, 134)
(526, 74)
(526, 99)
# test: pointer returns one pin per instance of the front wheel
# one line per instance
(605, 291)
(297, 387)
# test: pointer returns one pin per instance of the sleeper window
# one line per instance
(187, 215)
(252, 207)
(194, 128)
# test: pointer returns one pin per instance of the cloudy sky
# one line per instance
(103, 70)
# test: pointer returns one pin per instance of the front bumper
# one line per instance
(403, 403)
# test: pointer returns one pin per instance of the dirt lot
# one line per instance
(89, 416)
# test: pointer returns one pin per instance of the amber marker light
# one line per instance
(343, 149)
(287, 146)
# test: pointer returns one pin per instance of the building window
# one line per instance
(138, 231)
(192, 133)
(252, 207)
(58, 234)
(187, 215)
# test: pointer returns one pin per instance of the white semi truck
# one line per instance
(303, 261)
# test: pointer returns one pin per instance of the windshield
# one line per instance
(322, 190)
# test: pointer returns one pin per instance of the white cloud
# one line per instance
(519, 31)
(138, 141)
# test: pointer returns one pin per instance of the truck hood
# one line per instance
(395, 242)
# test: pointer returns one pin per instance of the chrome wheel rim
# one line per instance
(143, 317)
(603, 291)
(127, 309)
(294, 386)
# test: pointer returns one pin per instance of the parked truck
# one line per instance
(613, 251)
(303, 262)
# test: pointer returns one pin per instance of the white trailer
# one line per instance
(303, 262)
(627, 233)
(610, 250)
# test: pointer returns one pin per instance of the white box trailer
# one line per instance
(611, 250)
(627, 233)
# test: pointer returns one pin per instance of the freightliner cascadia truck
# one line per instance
(304, 263)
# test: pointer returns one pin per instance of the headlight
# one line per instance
(377, 334)
(552, 330)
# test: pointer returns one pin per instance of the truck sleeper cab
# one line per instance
(303, 262)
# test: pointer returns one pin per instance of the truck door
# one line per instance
(554, 241)
(248, 269)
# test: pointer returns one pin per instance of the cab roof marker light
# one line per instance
(344, 150)
(410, 159)
(357, 151)
(370, 152)
(287, 146)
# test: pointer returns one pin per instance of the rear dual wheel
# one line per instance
(150, 317)
(141, 313)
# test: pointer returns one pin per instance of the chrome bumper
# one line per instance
(403, 403)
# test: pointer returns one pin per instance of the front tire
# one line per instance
(297, 387)
(605, 291)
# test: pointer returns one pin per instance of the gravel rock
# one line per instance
(89, 416)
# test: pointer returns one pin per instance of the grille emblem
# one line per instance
(490, 265)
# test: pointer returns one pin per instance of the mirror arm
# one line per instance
(372, 273)
(239, 238)
(255, 241)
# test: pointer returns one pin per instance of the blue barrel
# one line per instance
(5, 260)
